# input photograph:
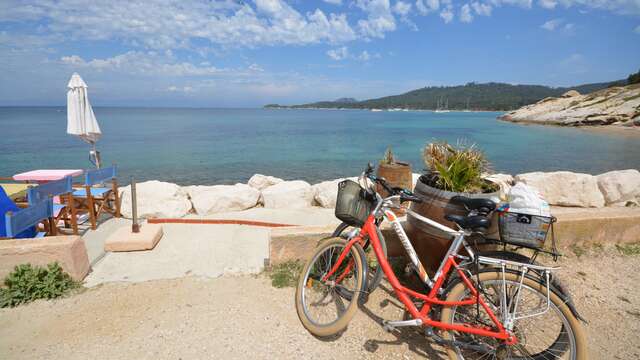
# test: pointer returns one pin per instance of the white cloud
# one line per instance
(447, 14)
(141, 63)
(465, 14)
(553, 24)
(402, 8)
(338, 54)
(255, 67)
(379, 18)
(522, 3)
(157, 24)
(364, 56)
(481, 8)
(182, 89)
(342, 53)
(548, 4)
(334, 2)
(427, 6)
(637, 29)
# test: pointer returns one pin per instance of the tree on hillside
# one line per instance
(634, 78)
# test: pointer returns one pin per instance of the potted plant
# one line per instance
(450, 170)
(397, 173)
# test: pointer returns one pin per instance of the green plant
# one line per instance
(629, 249)
(388, 158)
(285, 274)
(27, 283)
(457, 168)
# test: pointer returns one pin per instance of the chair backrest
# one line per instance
(53, 188)
(18, 221)
(99, 176)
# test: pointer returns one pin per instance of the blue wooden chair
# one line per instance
(32, 216)
(96, 197)
(65, 211)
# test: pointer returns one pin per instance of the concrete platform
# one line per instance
(198, 250)
(123, 239)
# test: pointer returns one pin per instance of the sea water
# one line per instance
(225, 146)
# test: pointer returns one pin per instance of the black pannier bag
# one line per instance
(353, 204)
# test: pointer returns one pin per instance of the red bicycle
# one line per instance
(478, 306)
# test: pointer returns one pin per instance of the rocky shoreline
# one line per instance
(157, 199)
(618, 106)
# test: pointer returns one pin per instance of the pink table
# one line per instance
(42, 176)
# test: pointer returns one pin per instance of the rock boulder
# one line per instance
(565, 188)
(326, 192)
(156, 199)
(260, 182)
(222, 198)
(288, 194)
(620, 187)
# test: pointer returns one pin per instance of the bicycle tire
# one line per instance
(340, 324)
(576, 335)
(375, 277)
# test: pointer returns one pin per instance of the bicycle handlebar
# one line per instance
(405, 194)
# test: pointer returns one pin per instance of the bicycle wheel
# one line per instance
(322, 306)
(554, 334)
(375, 273)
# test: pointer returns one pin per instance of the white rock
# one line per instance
(565, 188)
(326, 192)
(620, 186)
(156, 199)
(260, 182)
(288, 194)
(222, 198)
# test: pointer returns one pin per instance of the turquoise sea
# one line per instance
(214, 146)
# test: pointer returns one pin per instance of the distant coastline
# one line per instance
(468, 97)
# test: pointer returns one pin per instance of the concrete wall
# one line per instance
(575, 226)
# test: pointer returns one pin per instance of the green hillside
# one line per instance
(489, 96)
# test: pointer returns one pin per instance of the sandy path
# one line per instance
(244, 317)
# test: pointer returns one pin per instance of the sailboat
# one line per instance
(445, 109)
(467, 108)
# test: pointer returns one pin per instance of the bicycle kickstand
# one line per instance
(390, 326)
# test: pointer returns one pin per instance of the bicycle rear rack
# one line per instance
(509, 312)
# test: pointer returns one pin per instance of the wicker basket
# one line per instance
(353, 204)
(524, 229)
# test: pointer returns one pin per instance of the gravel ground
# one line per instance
(245, 317)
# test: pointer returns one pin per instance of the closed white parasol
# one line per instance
(81, 120)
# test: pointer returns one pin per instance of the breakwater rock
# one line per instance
(561, 188)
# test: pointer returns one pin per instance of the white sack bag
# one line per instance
(525, 199)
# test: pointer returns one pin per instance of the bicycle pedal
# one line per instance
(388, 328)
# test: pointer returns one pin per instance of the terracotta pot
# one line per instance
(397, 174)
(431, 244)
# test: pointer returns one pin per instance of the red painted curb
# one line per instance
(215, 222)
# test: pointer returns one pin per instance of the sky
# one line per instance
(232, 53)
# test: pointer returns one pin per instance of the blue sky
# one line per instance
(249, 53)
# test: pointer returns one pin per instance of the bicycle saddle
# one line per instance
(484, 205)
(476, 222)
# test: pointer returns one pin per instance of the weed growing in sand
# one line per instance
(27, 283)
(629, 249)
(577, 250)
(285, 274)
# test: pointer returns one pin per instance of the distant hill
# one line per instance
(472, 96)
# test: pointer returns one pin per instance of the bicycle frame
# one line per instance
(449, 264)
